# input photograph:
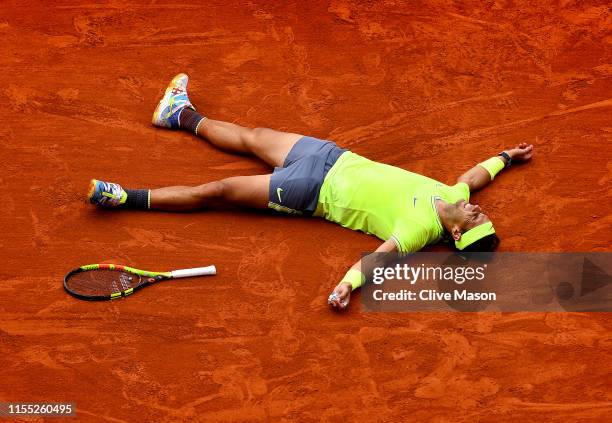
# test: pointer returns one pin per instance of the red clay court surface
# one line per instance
(433, 87)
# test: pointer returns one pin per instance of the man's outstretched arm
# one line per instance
(354, 278)
(483, 173)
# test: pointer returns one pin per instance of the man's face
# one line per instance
(470, 214)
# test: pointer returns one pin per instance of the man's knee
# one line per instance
(227, 189)
(211, 191)
(255, 137)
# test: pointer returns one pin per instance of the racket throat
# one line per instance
(155, 279)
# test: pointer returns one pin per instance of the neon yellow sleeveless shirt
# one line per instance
(385, 201)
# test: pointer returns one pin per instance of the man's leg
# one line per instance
(175, 111)
(267, 144)
(245, 191)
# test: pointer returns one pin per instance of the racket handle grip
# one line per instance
(197, 271)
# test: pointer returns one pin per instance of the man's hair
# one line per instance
(485, 244)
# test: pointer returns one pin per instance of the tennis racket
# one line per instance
(97, 282)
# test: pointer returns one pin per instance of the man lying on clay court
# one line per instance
(315, 177)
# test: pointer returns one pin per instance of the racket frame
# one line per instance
(149, 278)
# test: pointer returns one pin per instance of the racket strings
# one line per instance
(101, 282)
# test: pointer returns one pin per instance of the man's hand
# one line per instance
(479, 176)
(521, 153)
(341, 296)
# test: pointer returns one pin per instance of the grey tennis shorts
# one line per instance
(294, 188)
